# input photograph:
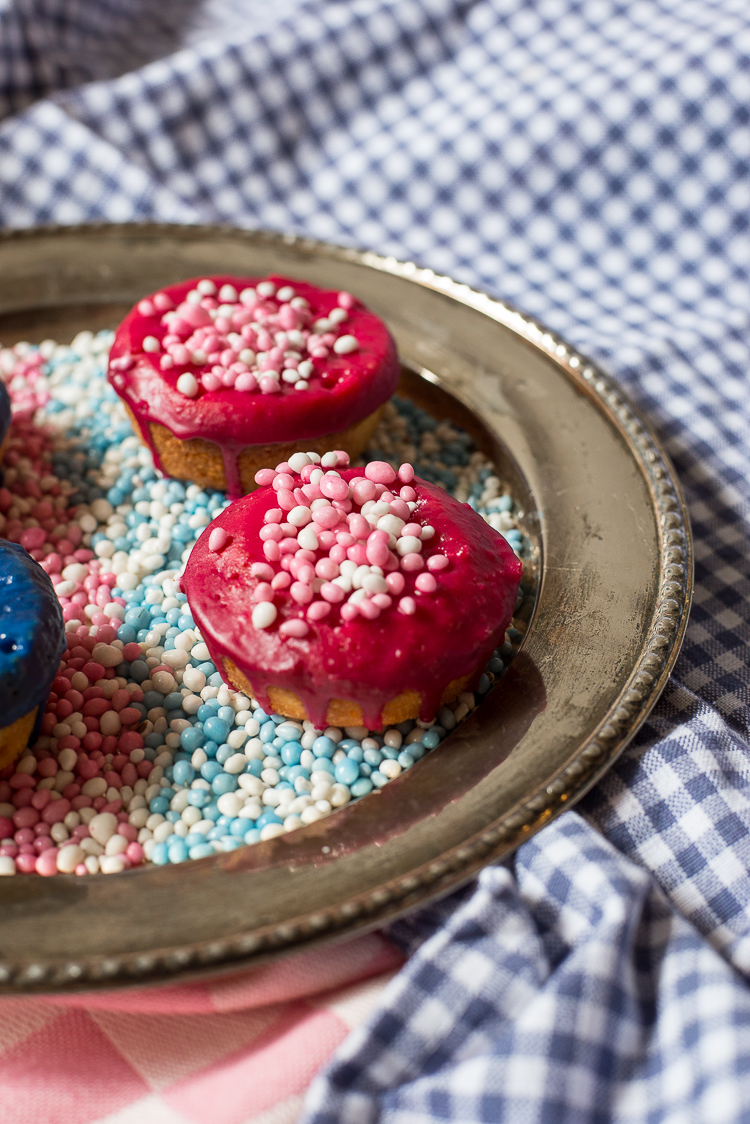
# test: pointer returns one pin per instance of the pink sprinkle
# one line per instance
(301, 593)
(348, 611)
(281, 581)
(357, 554)
(400, 508)
(336, 553)
(363, 491)
(412, 562)
(146, 308)
(395, 582)
(295, 627)
(134, 851)
(46, 864)
(162, 302)
(265, 476)
(368, 609)
(358, 525)
(288, 546)
(380, 472)
(246, 381)
(263, 592)
(331, 592)
(122, 363)
(258, 570)
(211, 381)
(318, 610)
(327, 517)
(426, 583)
(407, 606)
(273, 515)
(437, 562)
(413, 530)
(376, 552)
(271, 531)
(326, 568)
(334, 488)
(408, 495)
(346, 300)
(269, 385)
(180, 354)
(195, 315)
(271, 551)
(406, 474)
(382, 600)
(285, 499)
(33, 537)
(218, 539)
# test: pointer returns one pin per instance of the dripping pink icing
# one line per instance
(344, 389)
(451, 632)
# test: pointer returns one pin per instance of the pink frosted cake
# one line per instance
(225, 375)
(350, 596)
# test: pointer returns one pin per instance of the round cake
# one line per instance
(32, 641)
(226, 375)
(351, 597)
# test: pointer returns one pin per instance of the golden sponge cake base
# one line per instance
(200, 461)
(15, 738)
(343, 712)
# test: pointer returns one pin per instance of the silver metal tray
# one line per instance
(614, 582)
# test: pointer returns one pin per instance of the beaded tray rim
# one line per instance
(616, 727)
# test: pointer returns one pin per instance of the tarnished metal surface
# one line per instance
(615, 576)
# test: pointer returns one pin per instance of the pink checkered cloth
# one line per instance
(240, 1050)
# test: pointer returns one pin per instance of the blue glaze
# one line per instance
(32, 635)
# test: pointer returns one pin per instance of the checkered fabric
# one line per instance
(588, 160)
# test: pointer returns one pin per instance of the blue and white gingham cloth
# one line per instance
(588, 160)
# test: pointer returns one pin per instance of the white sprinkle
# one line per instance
(285, 294)
(298, 461)
(206, 287)
(151, 344)
(264, 614)
(299, 516)
(338, 315)
(266, 289)
(409, 544)
(228, 294)
(307, 539)
(346, 344)
(187, 384)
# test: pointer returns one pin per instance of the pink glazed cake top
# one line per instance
(240, 361)
(355, 584)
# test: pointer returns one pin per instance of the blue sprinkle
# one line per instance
(216, 729)
(362, 786)
(184, 773)
(323, 747)
(347, 771)
(177, 850)
(198, 797)
(224, 782)
(290, 752)
(201, 851)
(430, 739)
